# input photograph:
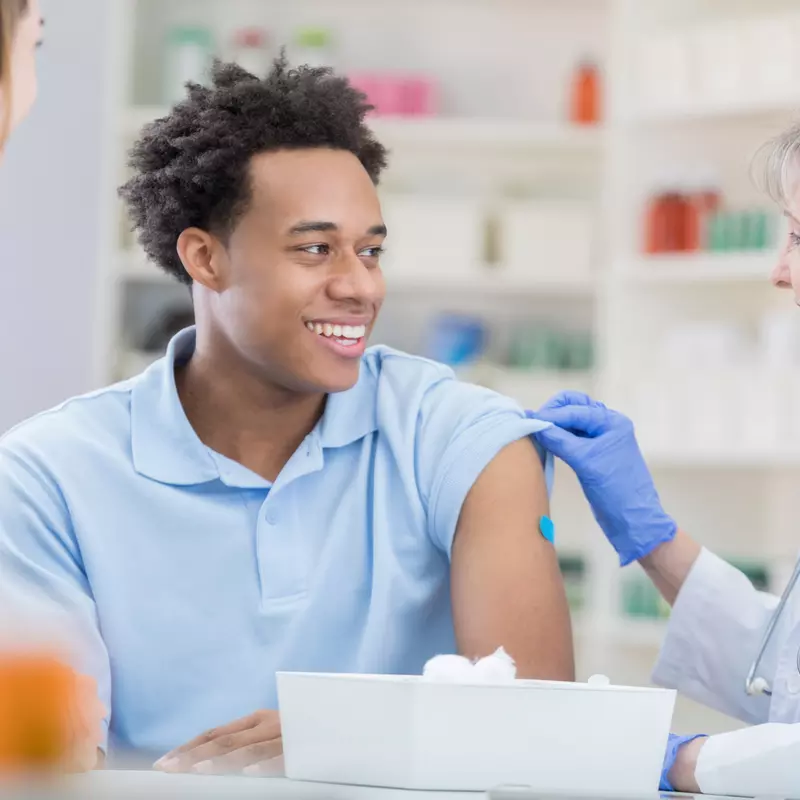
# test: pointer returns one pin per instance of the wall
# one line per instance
(50, 209)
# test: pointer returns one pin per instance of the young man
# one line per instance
(271, 495)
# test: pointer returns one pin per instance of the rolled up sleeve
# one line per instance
(462, 427)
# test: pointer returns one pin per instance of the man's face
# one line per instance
(304, 279)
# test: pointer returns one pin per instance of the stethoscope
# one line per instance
(752, 684)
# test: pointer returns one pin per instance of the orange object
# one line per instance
(38, 695)
(585, 107)
(652, 226)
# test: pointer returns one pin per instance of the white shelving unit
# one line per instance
(504, 129)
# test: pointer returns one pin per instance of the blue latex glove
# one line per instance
(673, 745)
(601, 447)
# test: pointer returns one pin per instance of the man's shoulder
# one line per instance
(387, 363)
(81, 425)
(433, 390)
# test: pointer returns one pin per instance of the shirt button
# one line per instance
(271, 518)
(793, 684)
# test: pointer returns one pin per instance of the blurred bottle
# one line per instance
(585, 100)
(314, 47)
(702, 202)
(189, 55)
(457, 339)
(656, 224)
(251, 50)
(38, 695)
(665, 222)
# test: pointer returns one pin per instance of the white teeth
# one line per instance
(352, 332)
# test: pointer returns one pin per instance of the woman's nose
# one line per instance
(781, 276)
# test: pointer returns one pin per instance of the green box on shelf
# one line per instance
(641, 600)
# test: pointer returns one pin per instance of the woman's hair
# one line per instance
(10, 13)
(776, 167)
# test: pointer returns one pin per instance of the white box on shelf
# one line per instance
(547, 240)
(406, 733)
(654, 413)
(711, 422)
(773, 60)
(431, 235)
(719, 66)
(761, 398)
(664, 75)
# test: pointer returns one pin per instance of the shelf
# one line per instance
(456, 132)
(621, 631)
(703, 268)
(708, 112)
(415, 132)
(492, 281)
(721, 459)
(639, 632)
(134, 268)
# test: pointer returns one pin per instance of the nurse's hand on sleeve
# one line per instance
(246, 745)
(600, 446)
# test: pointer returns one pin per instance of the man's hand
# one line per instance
(241, 746)
(86, 721)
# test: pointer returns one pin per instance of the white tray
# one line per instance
(407, 733)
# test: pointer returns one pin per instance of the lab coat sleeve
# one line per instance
(45, 596)
(714, 633)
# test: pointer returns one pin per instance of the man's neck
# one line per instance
(241, 416)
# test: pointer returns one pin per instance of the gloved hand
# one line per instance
(673, 747)
(601, 447)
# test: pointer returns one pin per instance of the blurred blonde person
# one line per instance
(20, 35)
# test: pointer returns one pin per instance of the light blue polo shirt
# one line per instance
(193, 580)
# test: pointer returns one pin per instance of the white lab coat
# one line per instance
(714, 633)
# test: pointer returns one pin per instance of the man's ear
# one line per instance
(202, 256)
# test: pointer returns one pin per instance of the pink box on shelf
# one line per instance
(419, 96)
(397, 95)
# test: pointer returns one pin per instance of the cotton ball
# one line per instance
(448, 669)
(599, 680)
(496, 668)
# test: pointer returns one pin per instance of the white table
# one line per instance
(136, 785)
(149, 785)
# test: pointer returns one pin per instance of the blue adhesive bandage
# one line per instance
(548, 529)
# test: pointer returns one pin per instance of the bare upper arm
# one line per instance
(507, 588)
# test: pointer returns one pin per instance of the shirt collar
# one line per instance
(166, 448)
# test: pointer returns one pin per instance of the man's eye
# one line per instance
(316, 249)
(373, 252)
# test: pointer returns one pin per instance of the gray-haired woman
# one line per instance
(725, 646)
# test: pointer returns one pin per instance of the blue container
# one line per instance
(457, 340)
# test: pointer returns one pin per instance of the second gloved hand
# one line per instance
(601, 447)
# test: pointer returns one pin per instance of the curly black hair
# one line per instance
(191, 167)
